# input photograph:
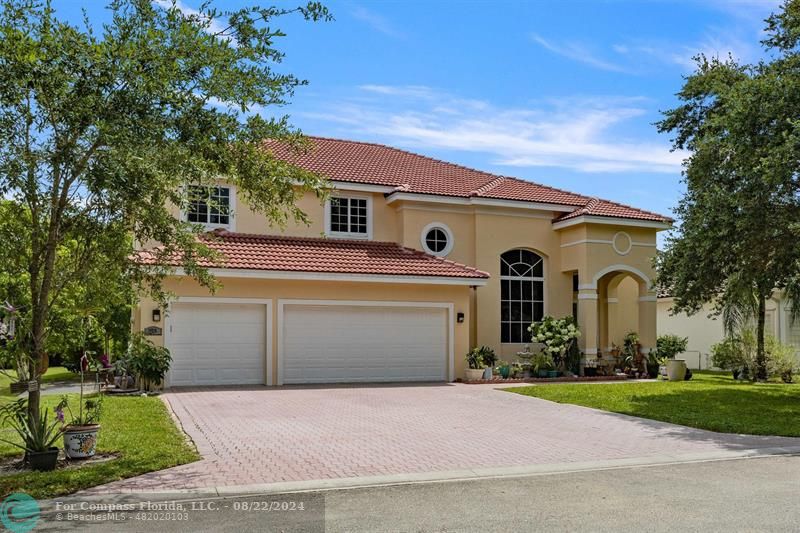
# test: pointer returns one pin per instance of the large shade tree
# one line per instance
(740, 215)
(102, 129)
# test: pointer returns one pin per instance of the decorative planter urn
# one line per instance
(676, 369)
(80, 441)
(473, 374)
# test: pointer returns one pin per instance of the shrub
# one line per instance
(556, 334)
(738, 354)
(671, 345)
(148, 362)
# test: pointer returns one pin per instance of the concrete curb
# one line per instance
(469, 474)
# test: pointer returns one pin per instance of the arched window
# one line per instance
(521, 294)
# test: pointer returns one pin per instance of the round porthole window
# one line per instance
(437, 239)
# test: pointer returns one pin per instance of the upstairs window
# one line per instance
(348, 217)
(521, 294)
(210, 206)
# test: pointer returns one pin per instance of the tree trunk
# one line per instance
(761, 358)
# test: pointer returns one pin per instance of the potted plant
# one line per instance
(504, 369)
(541, 363)
(668, 346)
(630, 352)
(148, 362)
(590, 370)
(475, 366)
(80, 433)
(37, 436)
(489, 359)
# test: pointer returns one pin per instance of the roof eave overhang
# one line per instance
(479, 201)
(612, 221)
(340, 277)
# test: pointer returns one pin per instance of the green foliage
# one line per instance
(148, 362)
(557, 335)
(739, 353)
(740, 215)
(103, 130)
(481, 357)
(34, 435)
(542, 361)
(89, 410)
(670, 345)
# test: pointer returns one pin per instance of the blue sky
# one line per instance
(562, 93)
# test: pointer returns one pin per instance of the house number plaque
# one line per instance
(152, 331)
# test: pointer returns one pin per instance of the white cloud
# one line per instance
(215, 25)
(573, 133)
(377, 22)
(715, 44)
(577, 52)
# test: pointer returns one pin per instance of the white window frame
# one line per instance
(542, 278)
(231, 225)
(347, 234)
(448, 233)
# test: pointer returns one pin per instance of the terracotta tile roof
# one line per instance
(604, 208)
(377, 164)
(338, 256)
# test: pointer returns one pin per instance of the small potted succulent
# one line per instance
(37, 436)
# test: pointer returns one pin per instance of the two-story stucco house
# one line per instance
(407, 265)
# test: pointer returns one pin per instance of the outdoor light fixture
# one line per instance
(460, 318)
(156, 315)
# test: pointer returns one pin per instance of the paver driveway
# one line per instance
(258, 435)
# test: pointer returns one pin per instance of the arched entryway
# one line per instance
(617, 300)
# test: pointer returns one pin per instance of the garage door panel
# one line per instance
(217, 344)
(342, 343)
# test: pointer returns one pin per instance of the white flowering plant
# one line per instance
(556, 335)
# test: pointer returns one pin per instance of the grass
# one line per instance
(712, 400)
(140, 429)
(54, 373)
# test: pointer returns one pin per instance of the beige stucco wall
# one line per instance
(704, 330)
(481, 235)
(321, 290)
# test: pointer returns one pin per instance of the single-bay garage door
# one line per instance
(324, 343)
(217, 344)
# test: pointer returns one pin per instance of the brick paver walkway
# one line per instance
(258, 435)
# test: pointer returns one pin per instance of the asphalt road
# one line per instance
(758, 494)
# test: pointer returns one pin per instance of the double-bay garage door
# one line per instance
(226, 343)
(344, 343)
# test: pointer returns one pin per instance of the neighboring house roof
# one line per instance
(376, 164)
(337, 256)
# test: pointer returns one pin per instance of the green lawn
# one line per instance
(712, 401)
(139, 429)
(54, 373)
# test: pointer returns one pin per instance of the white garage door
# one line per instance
(338, 343)
(217, 344)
